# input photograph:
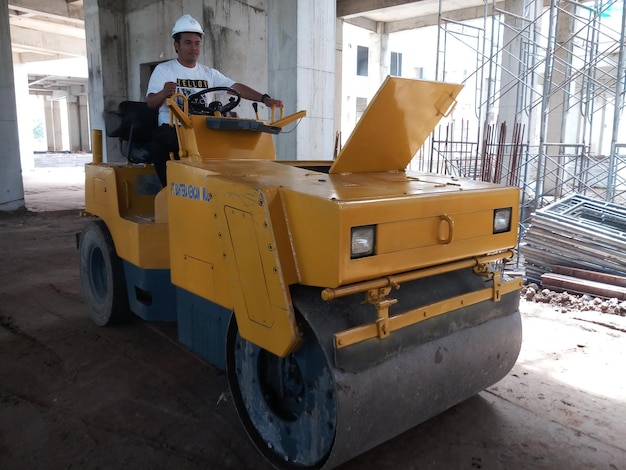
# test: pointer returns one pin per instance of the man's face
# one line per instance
(189, 47)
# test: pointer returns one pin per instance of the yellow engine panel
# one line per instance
(395, 124)
(412, 231)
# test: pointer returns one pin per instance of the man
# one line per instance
(185, 75)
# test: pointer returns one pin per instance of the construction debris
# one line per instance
(566, 302)
(582, 281)
(577, 232)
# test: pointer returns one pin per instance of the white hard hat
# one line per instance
(186, 24)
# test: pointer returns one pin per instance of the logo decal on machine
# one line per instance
(190, 191)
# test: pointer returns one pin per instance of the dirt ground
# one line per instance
(73, 395)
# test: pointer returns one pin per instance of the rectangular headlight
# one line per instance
(502, 220)
(362, 241)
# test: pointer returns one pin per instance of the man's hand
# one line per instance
(155, 100)
(169, 89)
(272, 103)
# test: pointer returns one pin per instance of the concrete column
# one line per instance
(57, 129)
(562, 76)
(83, 116)
(518, 85)
(106, 48)
(78, 119)
(73, 122)
(338, 84)
(49, 122)
(302, 72)
(559, 115)
(24, 116)
(379, 56)
(516, 67)
(11, 187)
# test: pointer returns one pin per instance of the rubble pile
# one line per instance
(565, 302)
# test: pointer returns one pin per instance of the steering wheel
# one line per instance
(195, 108)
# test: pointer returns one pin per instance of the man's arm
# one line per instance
(155, 100)
(253, 95)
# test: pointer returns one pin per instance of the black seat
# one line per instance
(133, 124)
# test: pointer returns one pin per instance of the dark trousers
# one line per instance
(164, 141)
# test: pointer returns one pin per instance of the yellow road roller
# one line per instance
(347, 300)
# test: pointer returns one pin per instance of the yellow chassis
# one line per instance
(237, 227)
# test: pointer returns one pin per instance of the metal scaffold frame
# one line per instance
(549, 82)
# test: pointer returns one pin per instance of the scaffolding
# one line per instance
(549, 97)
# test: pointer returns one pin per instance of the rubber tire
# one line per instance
(102, 276)
(312, 432)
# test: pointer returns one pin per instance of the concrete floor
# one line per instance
(73, 395)
(55, 183)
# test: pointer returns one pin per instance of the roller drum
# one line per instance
(355, 398)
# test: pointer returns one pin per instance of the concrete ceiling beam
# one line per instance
(29, 40)
(29, 22)
(58, 9)
(464, 14)
(362, 22)
(347, 8)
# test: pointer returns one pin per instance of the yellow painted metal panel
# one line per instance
(409, 233)
(116, 186)
(432, 231)
(313, 213)
(110, 195)
(199, 276)
(231, 140)
(280, 229)
(228, 222)
(161, 207)
(241, 144)
(261, 298)
(395, 124)
(99, 192)
(318, 236)
(192, 215)
(253, 299)
(147, 244)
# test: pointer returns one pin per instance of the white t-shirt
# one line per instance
(189, 80)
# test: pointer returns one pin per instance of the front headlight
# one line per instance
(362, 241)
(502, 220)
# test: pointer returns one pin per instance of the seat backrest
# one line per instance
(133, 124)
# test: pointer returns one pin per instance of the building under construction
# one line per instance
(544, 83)
(307, 254)
(541, 107)
(546, 96)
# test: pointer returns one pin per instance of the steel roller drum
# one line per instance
(339, 403)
